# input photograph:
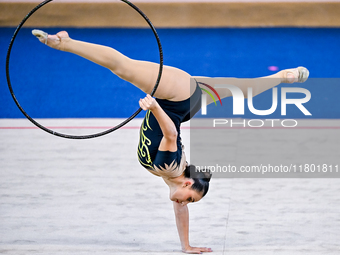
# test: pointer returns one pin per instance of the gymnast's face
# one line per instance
(184, 194)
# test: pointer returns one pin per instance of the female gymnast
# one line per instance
(160, 149)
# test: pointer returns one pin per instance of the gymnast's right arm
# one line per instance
(182, 223)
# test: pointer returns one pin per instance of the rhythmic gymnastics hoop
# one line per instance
(83, 136)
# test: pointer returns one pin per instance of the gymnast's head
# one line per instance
(192, 186)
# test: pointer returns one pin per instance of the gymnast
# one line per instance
(160, 150)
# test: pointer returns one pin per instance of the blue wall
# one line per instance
(53, 84)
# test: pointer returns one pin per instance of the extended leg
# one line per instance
(261, 84)
(174, 85)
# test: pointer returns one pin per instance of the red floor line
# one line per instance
(135, 127)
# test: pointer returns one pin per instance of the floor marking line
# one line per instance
(135, 127)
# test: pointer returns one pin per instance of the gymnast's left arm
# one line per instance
(182, 222)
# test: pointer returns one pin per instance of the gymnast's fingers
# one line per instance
(149, 99)
(196, 250)
(146, 103)
(141, 104)
(152, 101)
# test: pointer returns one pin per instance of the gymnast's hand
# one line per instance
(196, 250)
(148, 103)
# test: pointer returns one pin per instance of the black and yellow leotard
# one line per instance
(166, 163)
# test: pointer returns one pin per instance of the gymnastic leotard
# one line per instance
(166, 163)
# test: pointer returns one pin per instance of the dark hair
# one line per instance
(201, 178)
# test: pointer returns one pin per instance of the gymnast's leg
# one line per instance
(261, 84)
(174, 84)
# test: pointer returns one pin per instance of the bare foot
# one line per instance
(54, 41)
(299, 74)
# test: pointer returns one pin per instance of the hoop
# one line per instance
(83, 136)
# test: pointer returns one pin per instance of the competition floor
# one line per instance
(66, 197)
(92, 197)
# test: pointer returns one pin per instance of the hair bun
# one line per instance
(198, 173)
